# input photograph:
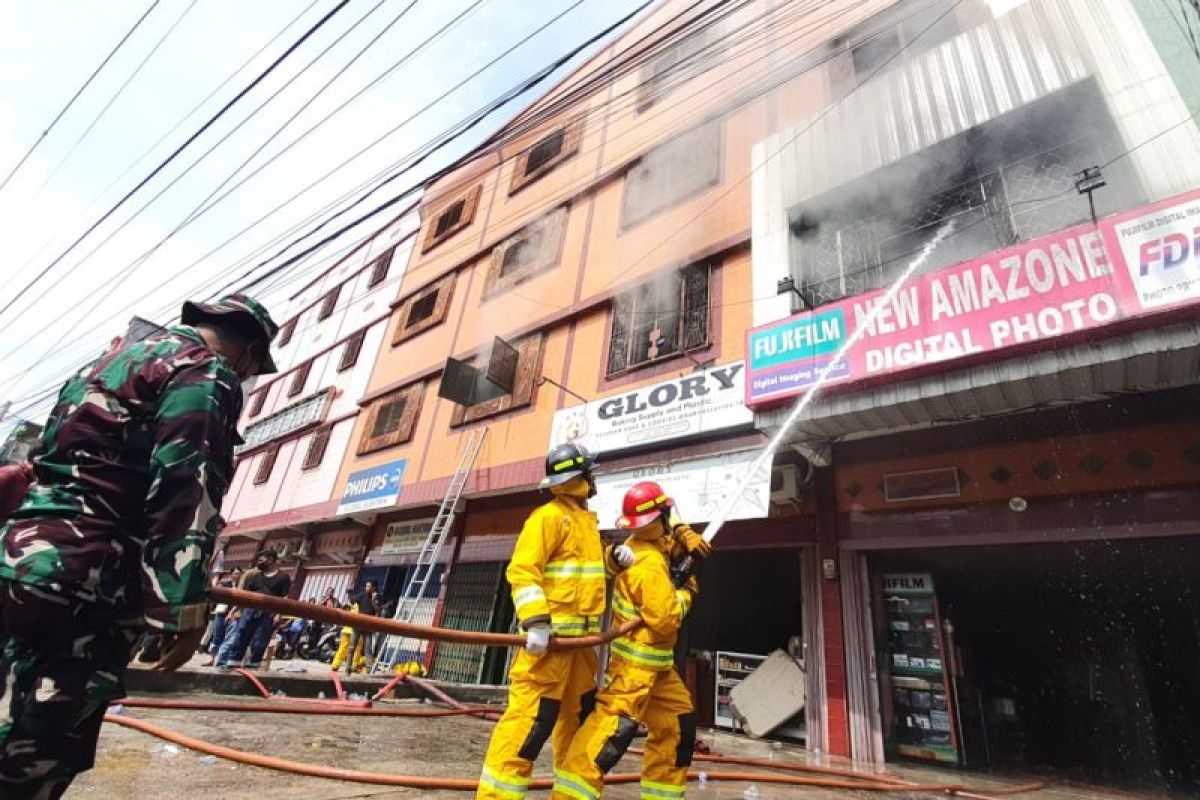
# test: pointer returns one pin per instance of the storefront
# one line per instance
(331, 562)
(1029, 597)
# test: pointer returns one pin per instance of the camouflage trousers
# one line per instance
(61, 662)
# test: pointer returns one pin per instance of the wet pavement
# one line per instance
(131, 764)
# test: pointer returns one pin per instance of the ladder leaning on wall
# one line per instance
(427, 559)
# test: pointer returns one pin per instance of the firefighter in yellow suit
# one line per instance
(343, 651)
(557, 573)
(641, 684)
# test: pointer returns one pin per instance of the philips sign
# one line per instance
(377, 487)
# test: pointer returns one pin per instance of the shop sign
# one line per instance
(908, 583)
(700, 487)
(377, 487)
(1132, 265)
(703, 402)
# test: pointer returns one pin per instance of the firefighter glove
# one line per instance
(695, 544)
(537, 640)
(620, 556)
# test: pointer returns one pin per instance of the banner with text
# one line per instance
(376, 487)
(1134, 264)
(699, 486)
(703, 402)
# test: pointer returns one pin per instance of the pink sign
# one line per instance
(1135, 264)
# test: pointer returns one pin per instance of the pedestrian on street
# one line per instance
(641, 685)
(117, 531)
(557, 573)
(254, 627)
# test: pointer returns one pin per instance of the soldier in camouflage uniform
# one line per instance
(117, 531)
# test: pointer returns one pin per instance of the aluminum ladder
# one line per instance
(427, 559)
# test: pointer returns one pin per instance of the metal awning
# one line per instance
(1164, 358)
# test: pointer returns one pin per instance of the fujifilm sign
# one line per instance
(703, 402)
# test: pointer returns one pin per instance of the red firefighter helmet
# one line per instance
(643, 503)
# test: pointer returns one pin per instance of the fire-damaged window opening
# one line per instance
(452, 216)
(391, 419)
(678, 64)
(684, 166)
(532, 250)
(299, 379)
(318, 443)
(329, 304)
(876, 44)
(379, 268)
(529, 367)
(423, 309)
(266, 465)
(1001, 182)
(660, 319)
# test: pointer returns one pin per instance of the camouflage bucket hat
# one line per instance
(236, 304)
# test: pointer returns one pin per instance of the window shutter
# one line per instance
(529, 363)
(285, 335)
(379, 272)
(299, 379)
(329, 303)
(351, 350)
(317, 445)
(695, 306)
(266, 465)
(260, 399)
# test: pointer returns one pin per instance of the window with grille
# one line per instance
(451, 216)
(329, 303)
(545, 151)
(391, 419)
(684, 166)
(299, 378)
(379, 268)
(660, 319)
(286, 332)
(260, 399)
(266, 465)
(544, 156)
(318, 443)
(351, 350)
(423, 309)
(286, 420)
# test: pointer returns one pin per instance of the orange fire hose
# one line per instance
(297, 706)
(469, 784)
(369, 624)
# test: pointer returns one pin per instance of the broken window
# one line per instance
(660, 319)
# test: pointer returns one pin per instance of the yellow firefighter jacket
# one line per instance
(557, 569)
(644, 590)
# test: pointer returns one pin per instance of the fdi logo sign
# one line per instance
(1161, 251)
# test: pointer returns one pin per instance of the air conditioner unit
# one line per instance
(785, 484)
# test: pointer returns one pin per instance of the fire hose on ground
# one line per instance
(830, 778)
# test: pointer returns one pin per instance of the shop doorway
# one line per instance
(478, 598)
(1076, 659)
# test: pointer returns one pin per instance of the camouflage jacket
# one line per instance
(138, 456)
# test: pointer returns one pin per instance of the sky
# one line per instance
(47, 51)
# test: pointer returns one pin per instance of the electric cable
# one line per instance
(196, 135)
(78, 92)
(113, 99)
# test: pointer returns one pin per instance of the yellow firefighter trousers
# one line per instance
(343, 652)
(548, 696)
(632, 695)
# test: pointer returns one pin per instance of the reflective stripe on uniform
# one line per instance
(642, 654)
(530, 594)
(514, 786)
(624, 607)
(565, 625)
(573, 785)
(582, 570)
(657, 791)
(685, 600)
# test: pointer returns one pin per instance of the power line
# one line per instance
(211, 121)
(75, 96)
(120, 90)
